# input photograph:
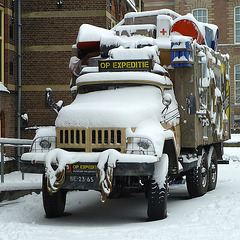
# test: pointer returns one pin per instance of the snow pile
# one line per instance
(142, 53)
(179, 41)
(45, 131)
(99, 108)
(161, 171)
(19, 181)
(119, 77)
(89, 32)
(127, 42)
(151, 129)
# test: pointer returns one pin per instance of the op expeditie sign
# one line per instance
(124, 65)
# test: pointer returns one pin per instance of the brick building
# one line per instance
(226, 15)
(47, 31)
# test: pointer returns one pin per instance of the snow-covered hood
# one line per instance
(123, 107)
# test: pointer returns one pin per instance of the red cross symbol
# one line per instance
(163, 31)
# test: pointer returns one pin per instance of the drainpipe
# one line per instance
(19, 50)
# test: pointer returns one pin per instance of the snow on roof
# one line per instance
(134, 28)
(127, 42)
(122, 53)
(121, 107)
(201, 26)
(177, 37)
(89, 32)
(190, 17)
(152, 13)
(135, 40)
(45, 131)
(123, 76)
(3, 88)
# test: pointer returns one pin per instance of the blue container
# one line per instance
(187, 54)
(186, 65)
(188, 45)
(181, 53)
(175, 64)
(174, 43)
(174, 55)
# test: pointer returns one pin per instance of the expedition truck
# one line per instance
(150, 106)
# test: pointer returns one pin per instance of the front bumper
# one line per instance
(127, 165)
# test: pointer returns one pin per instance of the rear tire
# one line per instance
(213, 169)
(54, 204)
(157, 200)
(197, 178)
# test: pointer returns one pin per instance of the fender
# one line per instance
(170, 149)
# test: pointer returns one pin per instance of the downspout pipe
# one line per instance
(19, 53)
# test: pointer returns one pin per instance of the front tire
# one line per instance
(54, 204)
(157, 200)
(197, 178)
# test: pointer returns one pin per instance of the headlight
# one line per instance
(144, 145)
(140, 145)
(45, 144)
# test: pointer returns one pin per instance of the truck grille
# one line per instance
(91, 139)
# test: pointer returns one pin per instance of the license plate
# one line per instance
(84, 168)
(82, 179)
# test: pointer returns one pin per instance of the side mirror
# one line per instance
(48, 98)
(24, 120)
(167, 99)
(191, 104)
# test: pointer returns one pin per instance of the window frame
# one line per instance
(197, 9)
(2, 45)
(235, 28)
(235, 81)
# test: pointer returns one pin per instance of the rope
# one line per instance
(106, 183)
(60, 178)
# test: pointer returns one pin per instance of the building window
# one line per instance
(237, 84)
(1, 44)
(237, 24)
(200, 14)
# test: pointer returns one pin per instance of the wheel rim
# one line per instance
(204, 176)
(213, 172)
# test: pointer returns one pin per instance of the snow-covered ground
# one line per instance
(216, 215)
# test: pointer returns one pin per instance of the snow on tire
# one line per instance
(197, 178)
(157, 191)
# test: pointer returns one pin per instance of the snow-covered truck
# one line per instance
(151, 106)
